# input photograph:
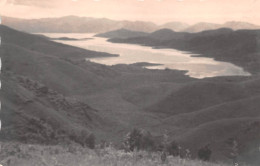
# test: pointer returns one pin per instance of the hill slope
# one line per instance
(39, 78)
(213, 112)
(50, 91)
(63, 69)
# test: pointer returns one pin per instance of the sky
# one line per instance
(158, 11)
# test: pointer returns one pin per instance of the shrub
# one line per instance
(84, 139)
(147, 142)
(173, 149)
(139, 140)
(133, 140)
(233, 150)
(90, 141)
(204, 153)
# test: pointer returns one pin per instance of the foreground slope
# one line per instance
(31, 155)
(211, 110)
(34, 113)
(39, 80)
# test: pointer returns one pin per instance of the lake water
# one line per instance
(197, 67)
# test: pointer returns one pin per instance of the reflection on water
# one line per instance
(197, 67)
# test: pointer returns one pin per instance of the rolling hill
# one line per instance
(201, 110)
(38, 77)
(213, 113)
(65, 76)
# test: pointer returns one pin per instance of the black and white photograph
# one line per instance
(130, 82)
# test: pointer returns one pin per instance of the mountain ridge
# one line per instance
(77, 24)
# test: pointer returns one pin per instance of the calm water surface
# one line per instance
(197, 67)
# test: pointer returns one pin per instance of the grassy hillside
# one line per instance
(34, 113)
(39, 80)
(212, 113)
(50, 91)
(216, 109)
(24, 155)
(63, 69)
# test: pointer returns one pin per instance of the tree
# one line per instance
(147, 142)
(204, 153)
(138, 139)
(90, 141)
(233, 150)
(135, 139)
(85, 139)
(173, 149)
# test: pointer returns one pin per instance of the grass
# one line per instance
(15, 154)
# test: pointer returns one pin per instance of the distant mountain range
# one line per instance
(75, 24)
(203, 26)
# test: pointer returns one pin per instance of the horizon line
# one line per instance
(154, 22)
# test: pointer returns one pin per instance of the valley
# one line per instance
(50, 91)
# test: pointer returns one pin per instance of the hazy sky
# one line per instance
(158, 11)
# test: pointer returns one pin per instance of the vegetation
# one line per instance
(15, 154)
(51, 94)
(138, 140)
(204, 153)
(141, 140)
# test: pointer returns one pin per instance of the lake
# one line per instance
(197, 67)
